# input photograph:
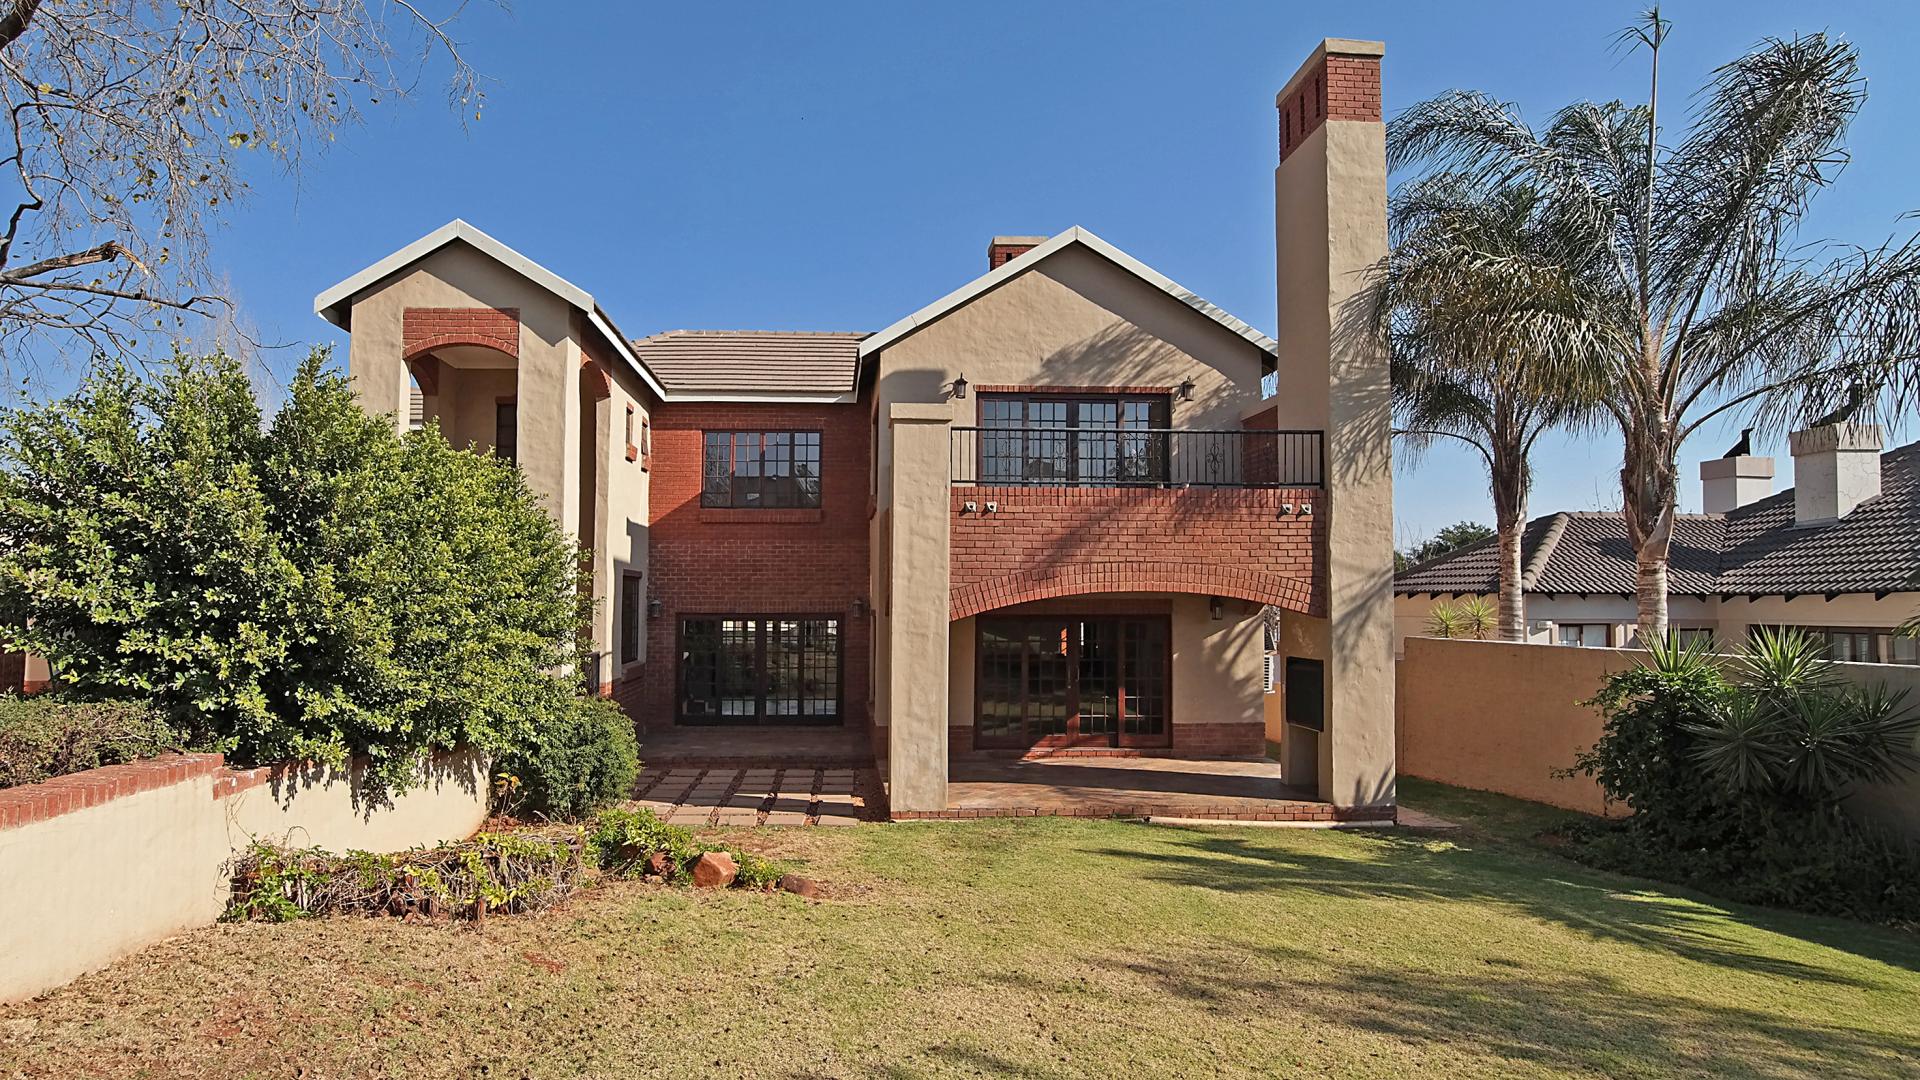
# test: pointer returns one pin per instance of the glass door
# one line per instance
(1071, 682)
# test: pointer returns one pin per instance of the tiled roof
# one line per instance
(1756, 549)
(752, 361)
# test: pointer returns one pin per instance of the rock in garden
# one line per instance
(800, 886)
(714, 870)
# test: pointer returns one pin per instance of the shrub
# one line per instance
(584, 759)
(503, 872)
(1738, 776)
(623, 841)
(321, 588)
(1470, 617)
(42, 737)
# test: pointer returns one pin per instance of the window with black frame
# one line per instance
(750, 669)
(1049, 439)
(761, 470)
(506, 430)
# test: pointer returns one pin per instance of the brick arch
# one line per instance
(1080, 578)
(422, 330)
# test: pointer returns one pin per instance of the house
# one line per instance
(1044, 513)
(1837, 556)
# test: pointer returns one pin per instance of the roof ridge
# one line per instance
(738, 333)
(1550, 540)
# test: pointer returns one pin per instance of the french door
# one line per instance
(1069, 681)
(742, 669)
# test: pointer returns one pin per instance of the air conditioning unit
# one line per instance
(1266, 674)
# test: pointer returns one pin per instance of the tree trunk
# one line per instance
(1647, 483)
(1509, 482)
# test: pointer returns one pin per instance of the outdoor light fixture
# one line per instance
(859, 607)
(1186, 390)
(655, 607)
(1216, 608)
(960, 386)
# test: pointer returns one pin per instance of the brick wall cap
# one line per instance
(1326, 48)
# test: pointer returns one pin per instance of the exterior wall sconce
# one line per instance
(1216, 608)
(654, 607)
(959, 386)
(859, 607)
(1186, 390)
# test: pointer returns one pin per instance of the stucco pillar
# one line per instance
(917, 626)
(1330, 229)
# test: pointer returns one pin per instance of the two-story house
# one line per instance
(1046, 512)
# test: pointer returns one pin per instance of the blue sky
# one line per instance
(836, 165)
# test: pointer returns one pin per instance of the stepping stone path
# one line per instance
(729, 796)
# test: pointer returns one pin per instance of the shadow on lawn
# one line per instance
(1416, 867)
(1576, 1021)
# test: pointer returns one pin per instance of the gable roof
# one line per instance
(754, 363)
(335, 304)
(1030, 259)
(1755, 550)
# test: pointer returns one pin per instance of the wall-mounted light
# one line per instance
(959, 386)
(1217, 608)
(654, 607)
(1186, 390)
(859, 607)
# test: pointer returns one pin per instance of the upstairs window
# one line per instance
(632, 600)
(1055, 439)
(761, 470)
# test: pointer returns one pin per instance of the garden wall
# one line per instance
(100, 863)
(1501, 717)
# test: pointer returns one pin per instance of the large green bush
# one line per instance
(585, 758)
(42, 737)
(318, 587)
(1738, 771)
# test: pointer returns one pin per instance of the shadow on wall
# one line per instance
(465, 770)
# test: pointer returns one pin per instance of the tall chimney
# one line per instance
(1836, 467)
(1729, 483)
(1330, 229)
(1004, 249)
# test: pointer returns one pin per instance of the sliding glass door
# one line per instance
(742, 669)
(1069, 681)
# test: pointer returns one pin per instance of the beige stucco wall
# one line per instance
(916, 622)
(620, 494)
(1735, 615)
(83, 889)
(1330, 229)
(1075, 319)
(1500, 717)
(548, 370)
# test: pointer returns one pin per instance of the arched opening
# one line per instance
(472, 391)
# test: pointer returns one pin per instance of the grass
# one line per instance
(1036, 948)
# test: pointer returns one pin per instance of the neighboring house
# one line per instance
(1044, 512)
(1837, 556)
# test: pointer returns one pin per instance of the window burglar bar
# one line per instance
(1061, 456)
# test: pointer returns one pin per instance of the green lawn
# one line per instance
(1036, 948)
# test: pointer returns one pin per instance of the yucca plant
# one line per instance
(1469, 617)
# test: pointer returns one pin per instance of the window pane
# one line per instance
(506, 430)
(1046, 449)
(716, 485)
(761, 469)
(806, 468)
(630, 593)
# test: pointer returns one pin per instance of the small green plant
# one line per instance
(48, 735)
(1468, 617)
(582, 759)
(623, 842)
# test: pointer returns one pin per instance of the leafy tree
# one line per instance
(319, 588)
(1451, 538)
(1702, 296)
(1481, 354)
(131, 121)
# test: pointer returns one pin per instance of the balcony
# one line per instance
(1046, 512)
(1123, 457)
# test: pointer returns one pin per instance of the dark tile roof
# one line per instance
(1755, 550)
(752, 361)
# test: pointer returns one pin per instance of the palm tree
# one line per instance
(1703, 291)
(1477, 357)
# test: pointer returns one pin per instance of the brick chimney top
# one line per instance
(1004, 249)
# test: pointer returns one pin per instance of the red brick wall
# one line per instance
(1043, 542)
(423, 330)
(713, 561)
(999, 255)
(1339, 88)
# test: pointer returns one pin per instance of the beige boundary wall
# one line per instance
(1501, 717)
(98, 864)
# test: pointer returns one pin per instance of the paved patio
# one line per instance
(720, 746)
(760, 796)
(1148, 787)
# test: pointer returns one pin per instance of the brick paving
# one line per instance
(684, 795)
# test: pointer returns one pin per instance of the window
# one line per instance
(632, 601)
(506, 431)
(646, 442)
(1589, 635)
(1860, 644)
(749, 669)
(1056, 439)
(1061, 680)
(633, 448)
(761, 469)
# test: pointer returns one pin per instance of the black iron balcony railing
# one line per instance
(1136, 457)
